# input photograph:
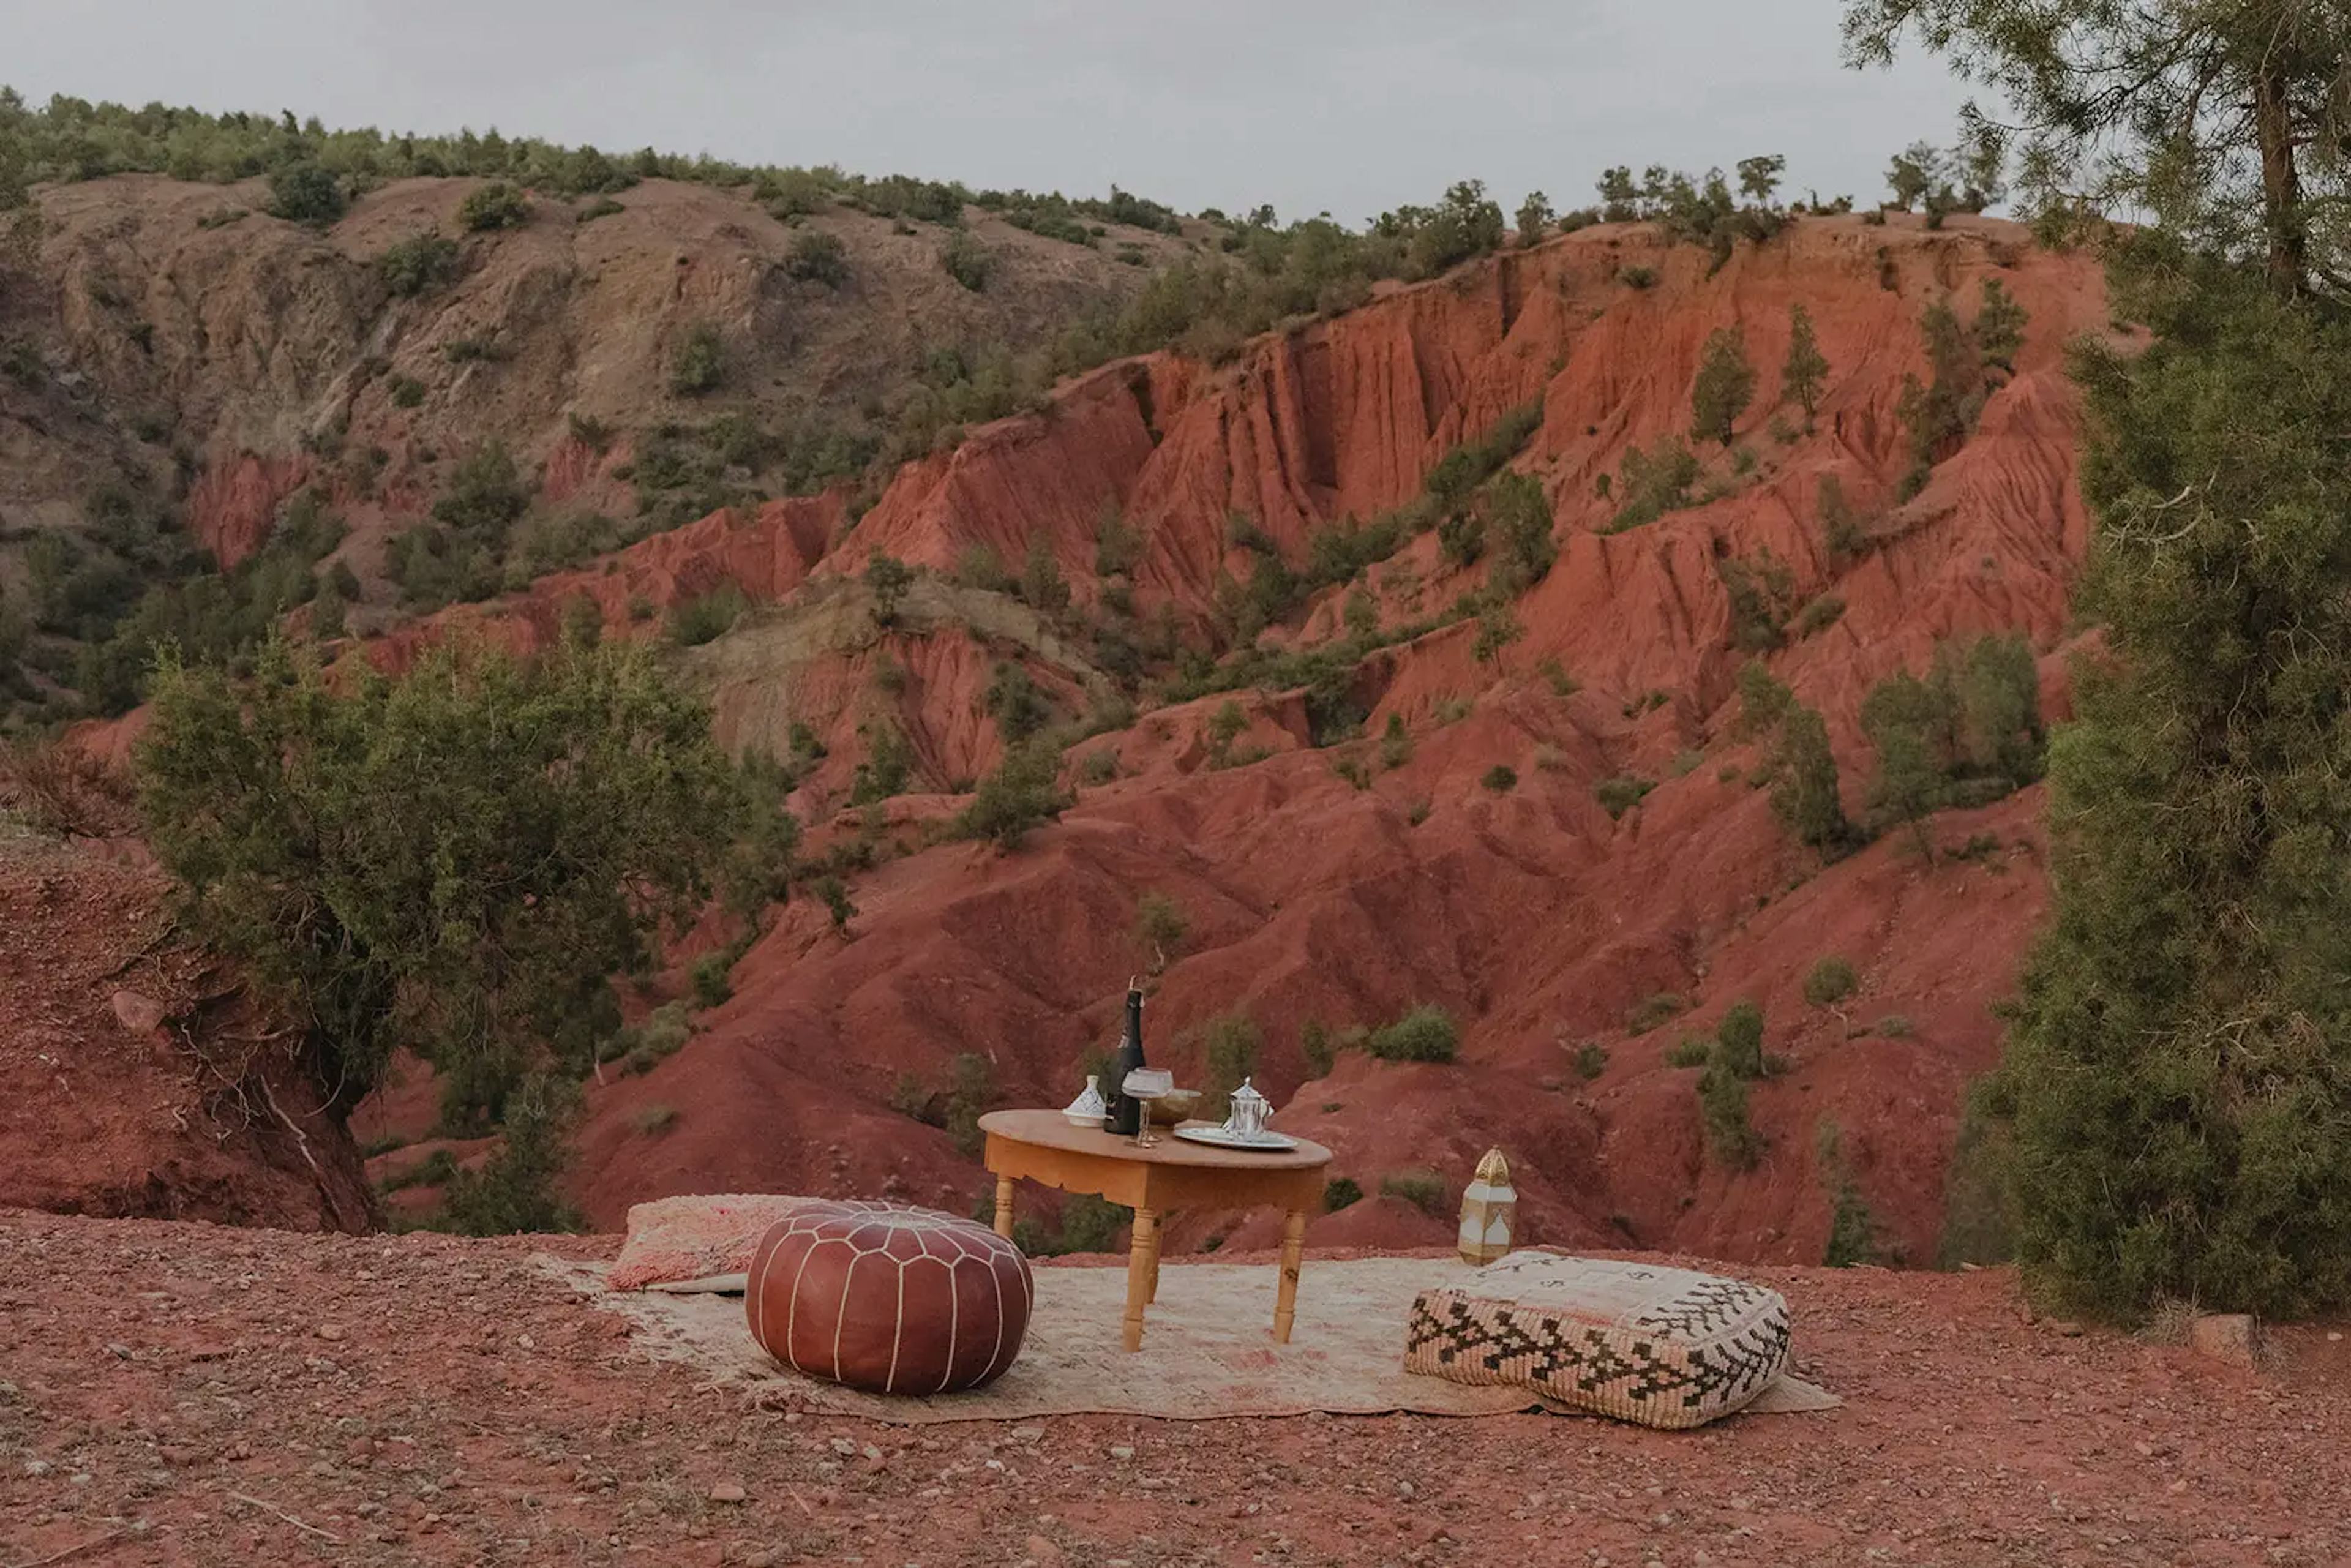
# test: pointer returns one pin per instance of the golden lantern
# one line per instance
(1490, 1209)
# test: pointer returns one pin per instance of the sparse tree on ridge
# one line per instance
(1758, 178)
(1725, 386)
(1534, 218)
(1802, 373)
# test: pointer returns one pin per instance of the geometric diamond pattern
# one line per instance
(1664, 1347)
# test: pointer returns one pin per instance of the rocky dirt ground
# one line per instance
(183, 1394)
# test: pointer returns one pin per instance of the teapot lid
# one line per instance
(1247, 1093)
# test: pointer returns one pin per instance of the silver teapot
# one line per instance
(1245, 1112)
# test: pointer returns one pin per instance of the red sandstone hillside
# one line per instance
(1532, 915)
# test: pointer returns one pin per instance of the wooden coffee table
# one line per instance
(1170, 1174)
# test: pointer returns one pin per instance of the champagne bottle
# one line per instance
(1125, 1111)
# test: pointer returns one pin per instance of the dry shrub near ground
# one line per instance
(61, 789)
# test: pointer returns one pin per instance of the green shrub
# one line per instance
(887, 579)
(1423, 1189)
(419, 263)
(1022, 794)
(1501, 778)
(1090, 1224)
(1820, 615)
(1691, 1050)
(1653, 1009)
(515, 1190)
(1804, 782)
(306, 194)
(1653, 483)
(1021, 709)
(967, 260)
(817, 257)
(1590, 1059)
(711, 984)
(652, 1121)
(1618, 795)
(980, 566)
(1738, 1040)
(698, 621)
(1229, 1052)
(1841, 530)
(1315, 1044)
(1725, 386)
(700, 361)
(1637, 277)
(1427, 1033)
(1099, 766)
(1761, 592)
(407, 391)
(971, 1087)
(436, 1169)
(496, 205)
(602, 207)
(1978, 1226)
(1395, 743)
(1830, 982)
(1897, 1026)
(1160, 927)
(1802, 373)
(1853, 1229)
(1730, 1137)
(830, 892)
(1341, 1192)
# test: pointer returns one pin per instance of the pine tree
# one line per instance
(1802, 373)
(1725, 386)
(1804, 790)
(1998, 326)
(2175, 1096)
(1907, 720)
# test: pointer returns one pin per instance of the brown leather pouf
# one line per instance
(887, 1298)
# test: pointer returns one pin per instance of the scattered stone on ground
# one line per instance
(472, 1412)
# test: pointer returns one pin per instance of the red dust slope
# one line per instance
(137, 1079)
(1531, 914)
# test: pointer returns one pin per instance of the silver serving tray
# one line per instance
(1217, 1139)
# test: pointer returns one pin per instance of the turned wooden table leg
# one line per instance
(1293, 1251)
(1004, 1206)
(1159, 1224)
(1142, 1258)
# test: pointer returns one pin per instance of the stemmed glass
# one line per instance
(1146, 1084)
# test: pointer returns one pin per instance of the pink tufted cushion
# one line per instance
(888, 1298)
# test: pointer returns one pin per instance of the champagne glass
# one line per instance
(1146, 1084)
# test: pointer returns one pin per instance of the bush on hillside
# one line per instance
(817, 257)
(496, 205)
(1427, 1033)
(306, 194)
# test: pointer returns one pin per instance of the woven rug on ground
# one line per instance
(1208, 1353)
(1663, 1347)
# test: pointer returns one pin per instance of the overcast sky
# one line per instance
(1311, 105)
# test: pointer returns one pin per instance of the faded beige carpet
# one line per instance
(1208, 1348)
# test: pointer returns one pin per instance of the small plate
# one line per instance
(1217, 1139)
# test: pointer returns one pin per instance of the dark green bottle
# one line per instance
(1125, 1110)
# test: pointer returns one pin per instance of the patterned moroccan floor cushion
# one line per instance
(1663, 1347)
(674, 1238)
(887, 1298)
